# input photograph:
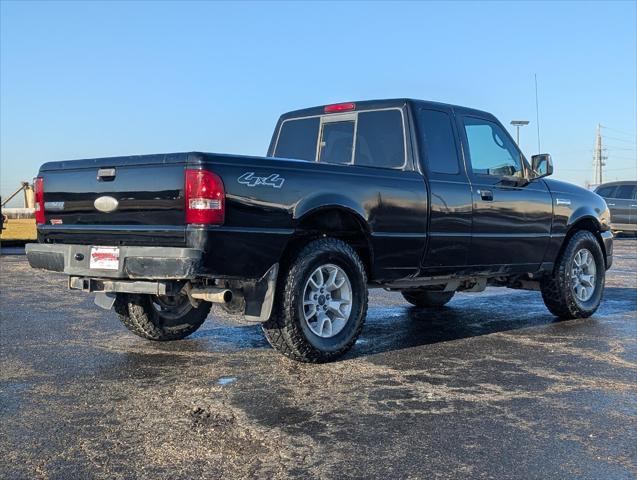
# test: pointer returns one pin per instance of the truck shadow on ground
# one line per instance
(386, 331)
(234, 337)
(399, 327)
(426, 326)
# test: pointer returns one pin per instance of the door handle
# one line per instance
(633, 205)
(486, 195)
(610, 204)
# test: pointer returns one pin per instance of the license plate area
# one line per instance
(104, 258)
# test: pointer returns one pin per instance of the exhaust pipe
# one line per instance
(214, 295)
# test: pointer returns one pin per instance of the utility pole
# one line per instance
(599, 159)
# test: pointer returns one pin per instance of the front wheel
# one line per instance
(575, 288)
(160, 317)
(321, 303)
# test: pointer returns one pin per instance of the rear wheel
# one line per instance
(427, 298)
(321, 303)
(160, 317)
(575, 288)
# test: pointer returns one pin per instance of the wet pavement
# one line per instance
(12, 250)
(491, 386)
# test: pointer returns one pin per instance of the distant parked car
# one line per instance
(621, 198)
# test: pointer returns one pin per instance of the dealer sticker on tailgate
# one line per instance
(104, 258)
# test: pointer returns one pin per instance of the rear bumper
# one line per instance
(154, 263)
(607, 238)
(624, 227)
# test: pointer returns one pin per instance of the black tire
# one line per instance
(427, 298)
(288, 332)
(160, 318)
(557, 288)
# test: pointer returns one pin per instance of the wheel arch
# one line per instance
(332, 220)
(586, 222)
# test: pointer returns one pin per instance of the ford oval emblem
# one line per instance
(106, 204)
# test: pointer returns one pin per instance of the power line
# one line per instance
(619, 131)
(585, 169)
(602, 153)
(620, 139)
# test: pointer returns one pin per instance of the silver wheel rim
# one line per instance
(583, 275)
(327, 300)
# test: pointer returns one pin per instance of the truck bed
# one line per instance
(265, 198)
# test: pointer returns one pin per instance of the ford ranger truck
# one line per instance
(422, 198)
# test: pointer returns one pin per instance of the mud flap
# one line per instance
(105, 300)
(259, 297)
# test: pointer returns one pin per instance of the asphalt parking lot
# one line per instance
(491, 386)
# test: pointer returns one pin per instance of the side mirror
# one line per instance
(542, 165)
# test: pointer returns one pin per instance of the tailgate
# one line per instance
(122, 200)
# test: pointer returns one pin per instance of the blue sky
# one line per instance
(91, 79)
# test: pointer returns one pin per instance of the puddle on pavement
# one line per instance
(226, 380)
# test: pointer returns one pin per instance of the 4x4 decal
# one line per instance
(251, 180)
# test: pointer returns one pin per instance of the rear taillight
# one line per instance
(38, 187)
(205, 198)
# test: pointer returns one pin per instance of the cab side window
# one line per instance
(490, 150)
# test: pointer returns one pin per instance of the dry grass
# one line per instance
(19, 229)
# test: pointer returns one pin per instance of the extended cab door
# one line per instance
(450, 201)
(511, 224)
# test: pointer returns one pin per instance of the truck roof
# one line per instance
(383, 103)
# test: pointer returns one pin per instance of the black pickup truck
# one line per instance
(418, 197)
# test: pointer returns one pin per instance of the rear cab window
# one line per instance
(297, 139)
(369, 138)
(337, 141)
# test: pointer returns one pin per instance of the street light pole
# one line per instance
(517, 124)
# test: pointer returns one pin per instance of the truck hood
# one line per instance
(558, 186)
(583, 202)
(566, 188)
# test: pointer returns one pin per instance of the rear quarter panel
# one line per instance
(262, 215)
